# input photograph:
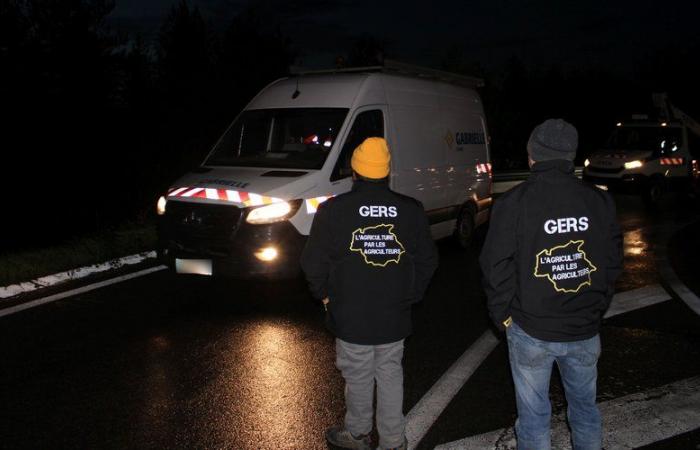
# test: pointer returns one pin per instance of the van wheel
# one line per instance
(655, 190)
(465, 227)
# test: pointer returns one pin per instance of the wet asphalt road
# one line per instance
(165, 362)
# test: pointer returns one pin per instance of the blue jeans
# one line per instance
(531, 363)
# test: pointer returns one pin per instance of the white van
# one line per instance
(645, 157)
(648, 156)
(247, 210)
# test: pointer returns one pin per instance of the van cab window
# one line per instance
(367, 124)
(295, 138)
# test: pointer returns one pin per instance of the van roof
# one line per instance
(398, 68)
(353, 88)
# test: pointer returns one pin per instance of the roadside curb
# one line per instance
(48, 281)
(81, 290)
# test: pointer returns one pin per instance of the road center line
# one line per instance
(628, 422)
(426, 411)
(80, 290)
(676, 285)
(430, 406)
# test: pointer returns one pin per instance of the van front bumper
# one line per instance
(227, 243)
(628, 183)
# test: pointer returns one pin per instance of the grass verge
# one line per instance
(95, 248)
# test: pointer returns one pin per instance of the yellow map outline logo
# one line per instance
(548, 252)
(390, 230)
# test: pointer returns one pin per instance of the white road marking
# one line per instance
(426, 411)
(74, 274)
(636, 298)
(80, 290)
(628, 422)
(669, 275)
(682, 291)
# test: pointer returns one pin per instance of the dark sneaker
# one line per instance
(403, 446)
(340, 437)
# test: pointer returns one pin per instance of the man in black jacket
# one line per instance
(370, 256)
(550, 260)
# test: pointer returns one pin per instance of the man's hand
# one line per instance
(325, 303)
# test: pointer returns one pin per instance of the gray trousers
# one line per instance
(361, 365)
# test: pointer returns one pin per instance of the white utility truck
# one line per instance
(247, 210)
(648, 156)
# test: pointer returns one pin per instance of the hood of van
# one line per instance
(211, 184)
(616, 158)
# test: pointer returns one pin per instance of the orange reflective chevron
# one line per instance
(672, 161)
(312, 203)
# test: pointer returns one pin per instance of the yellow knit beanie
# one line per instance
(371, 158)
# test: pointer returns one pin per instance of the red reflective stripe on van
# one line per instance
(177, 192)
(211, 194)
(192, 192)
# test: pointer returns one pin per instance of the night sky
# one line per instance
(611, 35)
(154, 110)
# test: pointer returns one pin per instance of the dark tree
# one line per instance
(185, 57)
(366, 51)
(253, 54)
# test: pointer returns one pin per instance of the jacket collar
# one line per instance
(362, 185)
(558, 168)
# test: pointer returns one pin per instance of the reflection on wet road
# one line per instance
(644, 230)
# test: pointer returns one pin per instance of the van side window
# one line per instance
(367, 124)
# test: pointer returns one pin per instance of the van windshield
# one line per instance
(295, 138)
(660, 140)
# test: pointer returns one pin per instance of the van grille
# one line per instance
(201, 227)
(591, 168)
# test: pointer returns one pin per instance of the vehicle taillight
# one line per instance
(483, 168)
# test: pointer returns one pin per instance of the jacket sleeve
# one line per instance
(316, 257)
(498, 264)
(425, 260)
(615, 253)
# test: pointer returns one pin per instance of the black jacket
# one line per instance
(552, 254)
(370, 252)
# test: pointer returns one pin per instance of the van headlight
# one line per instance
(636, 164)
(160, 206)
(274, 212)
